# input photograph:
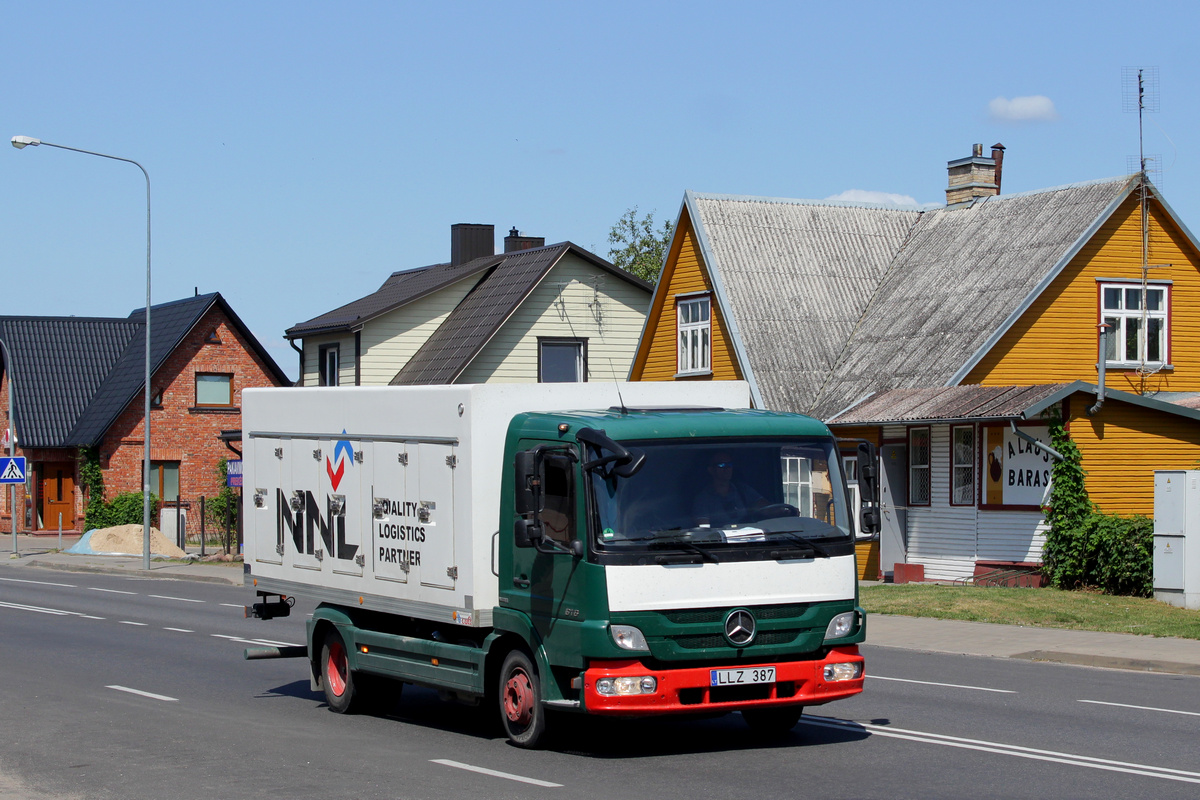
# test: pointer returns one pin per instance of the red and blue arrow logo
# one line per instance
(343, 453)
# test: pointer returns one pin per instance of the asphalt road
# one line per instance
(133, 688)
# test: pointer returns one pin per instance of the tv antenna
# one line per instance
(1140, 93)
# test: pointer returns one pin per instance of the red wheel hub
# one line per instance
(518, 698)
(336, 667)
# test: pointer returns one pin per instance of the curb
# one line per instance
(174, 576)
(1111, 662)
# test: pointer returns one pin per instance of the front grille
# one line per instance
(706, 641)
(696, 616)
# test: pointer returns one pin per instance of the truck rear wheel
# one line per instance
(772, 721)
(521, 709)
(336, 677)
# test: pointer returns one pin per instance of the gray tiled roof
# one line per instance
(448, 351)
(75, 375)
(946, 403)
(833, 301)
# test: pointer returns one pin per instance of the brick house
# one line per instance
(79, 385)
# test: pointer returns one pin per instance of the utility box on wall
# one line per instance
(1177, 537)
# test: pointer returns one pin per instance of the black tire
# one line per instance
(772, 721)
(521, 711)
(337, 679)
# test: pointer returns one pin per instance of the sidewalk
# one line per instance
(41, 551)
(1088, 648)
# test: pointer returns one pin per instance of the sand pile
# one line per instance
(128, 539)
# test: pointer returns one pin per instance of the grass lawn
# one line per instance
(1039, 608)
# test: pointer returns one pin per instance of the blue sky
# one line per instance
(301, 152)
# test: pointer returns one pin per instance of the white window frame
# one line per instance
(962, 468)
(694, 336)
(919, 473)
(1124, 318)
(797, 488)
(580, 348)
(329, 365)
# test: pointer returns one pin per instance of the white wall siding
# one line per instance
(942, 536)
(389, 341)
(1011, 535)
(312, 356)
(574, 300)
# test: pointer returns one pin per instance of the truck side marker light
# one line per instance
(433, 661)
(360, 601)
(363, 648)
(256, 581)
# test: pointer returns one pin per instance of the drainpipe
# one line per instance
(300, 380)
(1100, 364)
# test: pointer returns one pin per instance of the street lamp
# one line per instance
(21, 142)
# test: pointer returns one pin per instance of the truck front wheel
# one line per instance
(521, 709)
(336, 677)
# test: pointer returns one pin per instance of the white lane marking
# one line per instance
(1008, 749)
(494, 773)
(140, 693)
(180, 599)
(127, 622)
(110, 591)
(178, 630)
(232, 605)
(58, 612)
(1143, 708)
(948, 685)
(89, 616)
(39, 583)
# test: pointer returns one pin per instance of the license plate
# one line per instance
(741, 677)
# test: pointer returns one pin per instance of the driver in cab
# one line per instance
(724, 501)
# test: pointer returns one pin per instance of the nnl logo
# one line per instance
(301, 514)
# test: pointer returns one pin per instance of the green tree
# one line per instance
(222, 510)
(1065, 555)
(636, 247)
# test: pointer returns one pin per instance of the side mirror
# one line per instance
(526, 533)
(527, 483)
(868, 473)
(869, 522)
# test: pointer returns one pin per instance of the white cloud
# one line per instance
(1035, 108)
(868, 196)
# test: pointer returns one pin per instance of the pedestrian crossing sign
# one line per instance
(12, 470)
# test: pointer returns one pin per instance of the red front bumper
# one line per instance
(690, 691)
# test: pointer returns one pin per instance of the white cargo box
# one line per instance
(388, 498)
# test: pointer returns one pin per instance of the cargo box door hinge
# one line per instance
(451, 461)
(452, 572)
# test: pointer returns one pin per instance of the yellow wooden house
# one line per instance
(950, 335)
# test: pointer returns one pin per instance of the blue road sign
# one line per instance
(233, 472)
(12, 470)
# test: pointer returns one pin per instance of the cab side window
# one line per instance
(558, 513)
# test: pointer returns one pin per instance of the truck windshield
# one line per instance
(710, 499)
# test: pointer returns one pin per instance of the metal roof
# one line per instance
(946, 403)
(830, 302)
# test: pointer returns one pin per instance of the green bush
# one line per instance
(1124, 554)
(222, 510)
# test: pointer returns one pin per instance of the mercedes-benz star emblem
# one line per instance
(739, 627)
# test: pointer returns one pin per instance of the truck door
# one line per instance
(435, 468)
(302, 458)
(394, 512)
(262, 510)
(341, 512)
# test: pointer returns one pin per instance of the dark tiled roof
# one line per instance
(399, 289)
(59, 364)
(946, 403)
(75, 375)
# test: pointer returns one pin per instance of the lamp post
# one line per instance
(12, 434)
(21, 142)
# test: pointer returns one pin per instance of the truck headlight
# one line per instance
(641, 684)
(841, 625)
(628, 637)
(846, 671)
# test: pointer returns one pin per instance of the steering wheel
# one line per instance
(777, 510)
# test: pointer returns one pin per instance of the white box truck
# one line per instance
(617, 549)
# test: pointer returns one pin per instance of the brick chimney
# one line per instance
(469, 242)
(974, 176)
(515, 241)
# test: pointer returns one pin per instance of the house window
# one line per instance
(330, 358)
(694, 323)
(1137, 330)
(164, 480)
(214, 389)
(962, 466)
(798, 484)
(562, 360)
(918, 466)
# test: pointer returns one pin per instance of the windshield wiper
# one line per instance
(703, 553)
(816, 549)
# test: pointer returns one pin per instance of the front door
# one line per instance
(57, 496)
(893, 506)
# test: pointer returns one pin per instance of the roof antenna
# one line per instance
(624, 410)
